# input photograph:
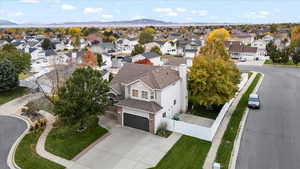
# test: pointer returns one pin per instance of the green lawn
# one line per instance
(187, 153)
(225, 149)
(66, 142)
(11, 94)
(27, 158)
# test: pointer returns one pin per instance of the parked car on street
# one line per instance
(254, 101)
(243, 60)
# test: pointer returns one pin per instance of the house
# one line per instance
(146, 95)
(261, 46)
(105, 47)
(238, 50)
(125, 46)
(3, 42)
(245, 38)
(153, 57)
(166, 47)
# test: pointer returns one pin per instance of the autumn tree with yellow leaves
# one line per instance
(213, 78)
(218, 34)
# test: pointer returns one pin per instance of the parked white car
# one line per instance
(254, 101)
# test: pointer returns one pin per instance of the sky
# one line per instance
(222, 11)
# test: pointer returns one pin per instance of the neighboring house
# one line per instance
(125, 46)
(175, 62)
(238, 50)
(105, 47)
(245, 38)
(3, 42)
(261, 46)
(166, 47)
(268, 38)
(153, 57)
(18, 44)
(146, 95)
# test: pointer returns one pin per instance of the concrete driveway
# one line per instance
(128, 148)
(10, 129)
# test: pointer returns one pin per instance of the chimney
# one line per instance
(183, 87)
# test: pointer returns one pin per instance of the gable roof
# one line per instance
(156, 77)
(150, 55)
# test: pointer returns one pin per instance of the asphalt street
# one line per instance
(271, 138)
(10, 129)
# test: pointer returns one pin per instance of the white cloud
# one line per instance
(167, 11)
(92, 10)
(200, 12)
(257, 14)
(107, 16)
(181, 9)
(30, 1)
(19, 14)
(67, 7)
(162, 10)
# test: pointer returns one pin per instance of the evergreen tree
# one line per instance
(8, 76)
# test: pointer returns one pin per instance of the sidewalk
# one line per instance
(40, 147)
(222, 128)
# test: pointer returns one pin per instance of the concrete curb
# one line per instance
(211, 156)
(11, 155)
(237, 141)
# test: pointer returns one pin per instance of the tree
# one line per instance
(138, 49)
(99, 59)
(273, 52)
(215, 48)
(273, 28)
(8, 75)
(213, 78)
(110, 77)
(20, 60)
(295, 33)
(150, 30)
(145, 37)
(156, 49)
(89, 59)
(74, 31)
(296, 55)
(284, 55)
(83, 95)
(144, 62)
(218, 34)
(47, 44)
(90, 30)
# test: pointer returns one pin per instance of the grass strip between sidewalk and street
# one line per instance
(12, 94)
(26, 156)
(187, 153)
(67, 142)
(226, 146)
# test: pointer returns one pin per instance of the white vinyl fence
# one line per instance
(203, 132)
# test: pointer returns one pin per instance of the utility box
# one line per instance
(216, 165)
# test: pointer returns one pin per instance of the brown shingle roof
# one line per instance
(151, 107)
(174, 61)
(156, 77)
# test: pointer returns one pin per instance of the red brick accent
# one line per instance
(151, 123)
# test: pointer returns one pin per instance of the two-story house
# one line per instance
(146, 95)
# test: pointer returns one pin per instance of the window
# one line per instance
(164, 114)
(174, 102)
(135, 93)
(144, 95)
(152, 95)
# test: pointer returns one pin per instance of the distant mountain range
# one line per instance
(6, 22)
(111, 23)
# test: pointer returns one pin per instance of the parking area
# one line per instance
(128, 148)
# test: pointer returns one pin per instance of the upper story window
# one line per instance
(144, 95)
(152, 95)
(135, 93)
(174, 102)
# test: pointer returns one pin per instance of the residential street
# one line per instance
(10, 129)
(271, 138)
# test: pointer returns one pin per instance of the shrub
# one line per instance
(290, 62)
(268, 61)
(162, 130)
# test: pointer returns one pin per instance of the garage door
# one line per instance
(134, 121)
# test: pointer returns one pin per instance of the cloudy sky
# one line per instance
(237, 11)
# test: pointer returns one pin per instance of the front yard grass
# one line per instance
(12, 94)
(66, 142)
(26, 156)
(187, 153)
(226, 146)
